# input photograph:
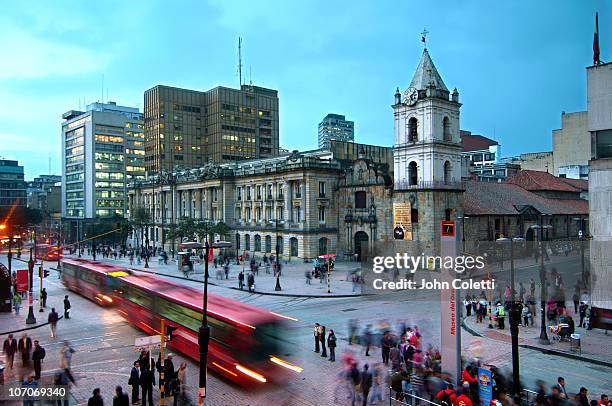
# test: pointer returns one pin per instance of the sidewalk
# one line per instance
(594, 343)
(292, 280)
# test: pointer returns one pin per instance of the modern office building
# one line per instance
(599, 105)
(572, 146)
(12, 184)
(335, 127)
(483, 156)
(44, 193)
(102, 151)
(187, 128)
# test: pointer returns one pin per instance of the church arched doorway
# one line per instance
(293, 247)
(361, 244)
(413, 174)
(447, 172)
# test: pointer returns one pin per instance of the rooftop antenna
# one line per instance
(49, 163)
(103, 88)
(250, 76)
(240, 59)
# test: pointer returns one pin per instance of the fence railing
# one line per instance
(436, 184)
(409, 399)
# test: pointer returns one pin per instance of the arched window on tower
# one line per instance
(413, 174)
(447, 136)
(413, 135)
(447, 172)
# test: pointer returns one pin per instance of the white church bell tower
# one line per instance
(427, 150)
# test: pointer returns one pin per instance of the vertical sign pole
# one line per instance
(450, 319)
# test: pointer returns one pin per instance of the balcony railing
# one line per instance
(436, 184)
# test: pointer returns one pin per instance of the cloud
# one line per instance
(27, 56)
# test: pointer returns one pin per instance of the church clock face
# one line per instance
(411, 95)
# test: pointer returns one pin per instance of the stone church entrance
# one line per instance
(361, 244)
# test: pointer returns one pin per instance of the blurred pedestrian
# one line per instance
(331, 343)
(121, 398)
(366, 384)
(37, 357)
(251, 281)
(66, 355)
(317, 339)
(66, 307)
(9, 347)
(52, 319)
(134, 381)
(30, 382)
(43, 297)
(367, 338)
(322, 338)
(147, 381)
(25, 349)
(241, 280)
(16, 303)
(181, 385)
(96, 399)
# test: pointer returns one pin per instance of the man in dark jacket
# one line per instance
(366, 383)
(147, 381)
(9, 348)
(168, 375)
(251, 281)
(52, 319)
(37, 356)
(135, 382)
(96, 399)
(66, 307)
(25, 348)
(120, 399)
(43, 297)
(241, 280)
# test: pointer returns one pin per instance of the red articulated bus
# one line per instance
(246, 343)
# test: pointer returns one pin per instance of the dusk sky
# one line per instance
(516, 64)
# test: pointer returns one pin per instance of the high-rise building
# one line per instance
(102, 152)
(335, 127)
(188, 128)
(599, 122)
(12, 184)
(44, 193)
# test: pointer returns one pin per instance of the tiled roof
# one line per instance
(538, 180)
(475, 142)
(581, 184)
(489, 198)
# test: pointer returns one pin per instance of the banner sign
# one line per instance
(402, 222)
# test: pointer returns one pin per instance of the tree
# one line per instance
(140, 220)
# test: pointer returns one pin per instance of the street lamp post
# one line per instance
(278, 262)
(462, 218)
(204, 332)
(31, 319)
(543, 334)
(581, 236)
(59, 247)
(146, 248)
(93, 241)
(514, 321)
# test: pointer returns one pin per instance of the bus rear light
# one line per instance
(252, 374)
(224, 369)
(286, 364)
(107, 298)
(284, 317)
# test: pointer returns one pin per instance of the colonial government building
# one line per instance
(348, 196)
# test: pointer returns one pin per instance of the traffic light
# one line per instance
(45, 273)
(170, 332)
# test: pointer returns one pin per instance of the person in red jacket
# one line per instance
(466, 376)
(447, 395)
(464, 398)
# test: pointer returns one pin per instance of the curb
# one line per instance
(254, 292)
(547, 350)
(27, 328)
(567, 355)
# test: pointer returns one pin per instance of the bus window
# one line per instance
(88, 276)
(139, 297)
(182, 315)
(68, 269)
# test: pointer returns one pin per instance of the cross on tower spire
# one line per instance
(424, 37)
